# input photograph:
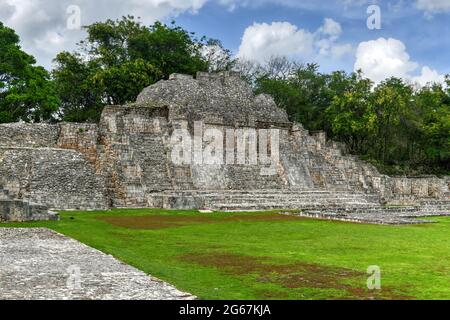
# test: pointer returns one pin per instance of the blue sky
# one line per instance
(426, 36)
(413, 41)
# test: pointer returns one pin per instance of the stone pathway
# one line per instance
(39, 264)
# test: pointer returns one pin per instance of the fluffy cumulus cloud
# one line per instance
(42, 24)
(383, 58)
(261, 41)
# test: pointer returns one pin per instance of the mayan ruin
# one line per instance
(224, 159)
(125, 162)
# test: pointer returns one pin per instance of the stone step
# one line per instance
(291, 201)
(276, 206)
(262, 192)
(276, 198)
(19, 210)
(243, 200)
(272, 196)
(417, 211)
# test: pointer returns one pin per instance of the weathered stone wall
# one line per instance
(133, 155)
(81, 137)
(29, 135)
(407, 190)
(57, 178)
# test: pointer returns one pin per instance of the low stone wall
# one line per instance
(57, 178)
(29, 135)
(409, 190)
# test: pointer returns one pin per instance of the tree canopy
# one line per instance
(26, 92)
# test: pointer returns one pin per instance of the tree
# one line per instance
(304, 93)
(26, 91)
(170, 48)
(217, 57)
(393, 102)
(351, 115)
(81, 98)
(433, 103)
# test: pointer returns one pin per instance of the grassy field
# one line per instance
(269, 256)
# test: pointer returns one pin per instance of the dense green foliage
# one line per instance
(400, 128)
(257, 256)
(26, 92)
(119, 59)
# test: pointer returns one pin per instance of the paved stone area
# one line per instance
(39, 264)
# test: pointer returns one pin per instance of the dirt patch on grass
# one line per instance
(154, 222)
(294, 276)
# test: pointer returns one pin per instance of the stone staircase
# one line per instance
(17, 210)
(322, 204)
(254, 200)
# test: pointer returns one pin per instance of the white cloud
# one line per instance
(331, 28)
(262, 41)
(384, 58)
(433, 6)
(427, 76)
(42, 24)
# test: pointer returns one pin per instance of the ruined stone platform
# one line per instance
(19, 210)
(264, 199)
(378, 214)
(39, 264)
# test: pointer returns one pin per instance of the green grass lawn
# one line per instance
(269, 256)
